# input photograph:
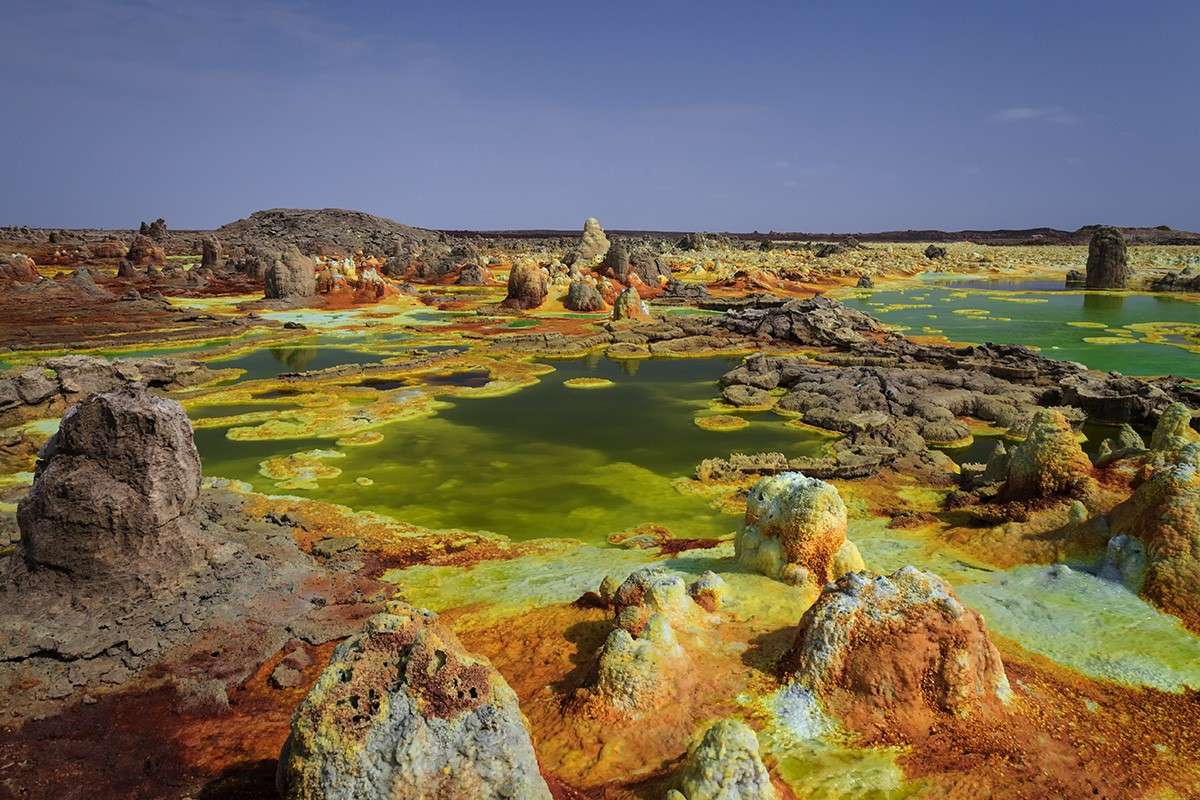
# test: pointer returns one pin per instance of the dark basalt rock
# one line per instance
(934, 251)
(865, 282)
(1107, 264)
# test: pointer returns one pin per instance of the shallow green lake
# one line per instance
(1015, 312)
(545, 461)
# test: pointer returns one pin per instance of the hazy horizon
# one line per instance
(659, 116)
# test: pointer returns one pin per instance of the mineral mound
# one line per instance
(795, 529)
(891, 656)
(402, 711)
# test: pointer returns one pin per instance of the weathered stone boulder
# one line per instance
(527, 286)
(934, 251)
(1075, 278)
(109, 248)
(18, 268)
(144, 252)
(583, 296)
(291, 275)
(795, 530)
(865, 282)
(211, 256)
(1107, 263)
(113, 490)
(629, 305)
(404, 712)
(724, 765)
(1163, 516)
(892, 656)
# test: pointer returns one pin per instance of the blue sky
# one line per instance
(673, 115)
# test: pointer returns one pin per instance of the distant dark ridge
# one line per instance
(1026, 236)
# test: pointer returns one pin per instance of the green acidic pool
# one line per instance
(547, 461)
(1090, 327)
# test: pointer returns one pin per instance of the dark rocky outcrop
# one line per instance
(328, 232)
(1185, 280)
(935, 251)
(1107, 262)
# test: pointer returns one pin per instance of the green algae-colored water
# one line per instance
(1089, 327)
(546, 461)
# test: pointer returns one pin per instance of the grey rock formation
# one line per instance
(210, 254)
(583, 296)
(404, 712)
(473, 275)
(934, 251)
(292, 275)
(112, 493)
(1107, 263)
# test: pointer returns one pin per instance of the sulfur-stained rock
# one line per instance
(1163, 517)
(527, 286)
(1049, 462)
(403, 712)
(795, 529)
(635, 674)
(892, 655)
(629, 305)
(290, 275)
(725, 765)
(1174, 429)
(1107, 264)
(651, 591)
(709, 590)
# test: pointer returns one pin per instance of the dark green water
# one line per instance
(545, 461)
(1044, 322)
(272, 361)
